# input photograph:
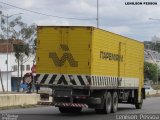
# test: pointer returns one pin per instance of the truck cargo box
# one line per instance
(88, 56)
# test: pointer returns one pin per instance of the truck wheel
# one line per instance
(76, 109)
(108, 103)
(70, 109)
(99, 111)
(114, 102)
(139, 105)
(64, 110)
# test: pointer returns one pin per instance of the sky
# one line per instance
(128, 20)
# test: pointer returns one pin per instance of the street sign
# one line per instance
(33, 69)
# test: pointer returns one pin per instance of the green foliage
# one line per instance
(150, 71)
(21, 49)
(153, 45)
(18, 30)
(157, 47)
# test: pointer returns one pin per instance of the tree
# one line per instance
(150, 71)
(18, 30)
(154, 44)
(155, 39)
(20, 52)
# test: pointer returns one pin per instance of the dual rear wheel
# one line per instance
(111, 103)
(70, 109)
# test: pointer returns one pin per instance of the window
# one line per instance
(15, 67)
(22, 67)
(28, 67)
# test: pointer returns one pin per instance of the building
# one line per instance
(155, 39)
(153, 45)
(3, 73)
(13, 76)
(152, 56)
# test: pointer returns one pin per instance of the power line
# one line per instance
(49, 15)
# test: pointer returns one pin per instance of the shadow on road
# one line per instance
(91, 112)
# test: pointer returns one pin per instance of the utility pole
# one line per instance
(97, 14)
(1, 21)
(7, 37)
(7, 52)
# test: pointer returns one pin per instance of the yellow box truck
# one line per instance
(89, 67)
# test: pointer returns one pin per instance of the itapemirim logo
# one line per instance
(67, 56)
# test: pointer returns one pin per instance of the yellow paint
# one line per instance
(76, 38)
(85, 45)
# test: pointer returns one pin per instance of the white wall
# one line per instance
(4, 80)
(3, 59)
(11, 62)
(28, 61)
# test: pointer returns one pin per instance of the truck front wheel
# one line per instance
(139, 105)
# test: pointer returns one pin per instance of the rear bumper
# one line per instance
(57, 86)
(61, 104)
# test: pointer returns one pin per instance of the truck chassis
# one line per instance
(71, 99)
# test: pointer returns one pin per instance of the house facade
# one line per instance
(12, 74)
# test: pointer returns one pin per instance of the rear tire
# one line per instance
(114, 102)
(76, 109)
(63, 109)
(99, 111)
(70, 109)
(108, 103)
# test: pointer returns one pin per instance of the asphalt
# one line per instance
(151, 106)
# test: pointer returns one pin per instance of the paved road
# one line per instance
(151, 106)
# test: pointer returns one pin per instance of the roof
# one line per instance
(40, 26)
(8, 43)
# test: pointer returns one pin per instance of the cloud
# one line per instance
(49, 22)
(28, 3)
(119, 29)
(114, 15)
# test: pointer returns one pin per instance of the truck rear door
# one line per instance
(63, 55)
